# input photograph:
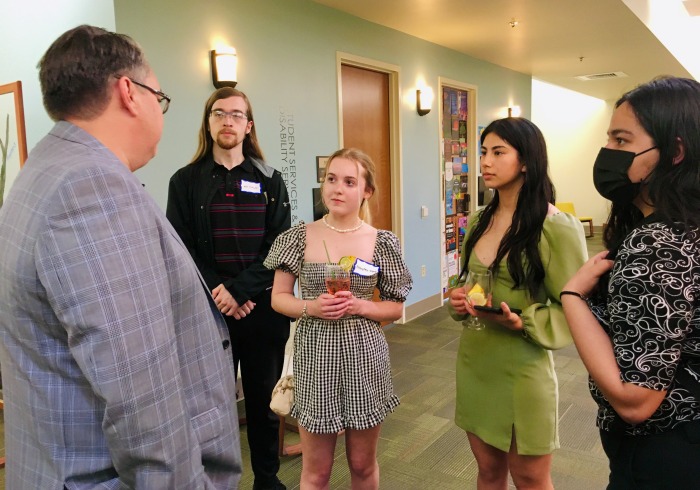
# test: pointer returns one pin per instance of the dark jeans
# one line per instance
(667, 461)
(258, 342)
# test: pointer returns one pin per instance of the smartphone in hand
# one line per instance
(491, 309)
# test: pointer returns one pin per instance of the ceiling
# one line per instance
(554, 40)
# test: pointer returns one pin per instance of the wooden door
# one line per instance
(365, 96)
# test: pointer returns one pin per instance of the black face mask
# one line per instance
(610, 175)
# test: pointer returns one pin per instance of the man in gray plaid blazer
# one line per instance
(116, 363)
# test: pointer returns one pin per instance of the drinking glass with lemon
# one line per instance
(478, 289)
(338, 275)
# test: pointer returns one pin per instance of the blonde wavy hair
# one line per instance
(367, 165)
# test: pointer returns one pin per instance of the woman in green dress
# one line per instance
(507, 389)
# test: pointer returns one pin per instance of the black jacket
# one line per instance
(189, 196)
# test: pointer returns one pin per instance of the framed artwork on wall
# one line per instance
(13, 139)
(321, 163)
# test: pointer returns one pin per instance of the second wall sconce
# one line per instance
(424, 100)
(223, 67)
(514, 111)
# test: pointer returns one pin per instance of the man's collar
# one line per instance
(246, 164)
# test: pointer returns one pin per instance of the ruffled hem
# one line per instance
(336, 424)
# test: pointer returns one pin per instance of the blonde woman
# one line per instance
(341, 358)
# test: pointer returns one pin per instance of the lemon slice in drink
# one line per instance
(347, 262)
(477, 299)
(476, 295)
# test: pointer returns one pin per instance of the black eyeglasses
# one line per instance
(163, 99)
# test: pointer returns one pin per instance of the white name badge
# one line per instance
(363, 268)
(253, 187)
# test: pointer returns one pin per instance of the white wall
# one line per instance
(574, 126)
(28, 28)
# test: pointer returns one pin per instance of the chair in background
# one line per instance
(568, 207)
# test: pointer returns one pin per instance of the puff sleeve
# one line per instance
(563, 251)
(394, 281)
(287, 250)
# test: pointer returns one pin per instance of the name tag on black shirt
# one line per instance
(252, 187)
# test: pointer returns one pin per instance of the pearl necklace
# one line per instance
(349, 230)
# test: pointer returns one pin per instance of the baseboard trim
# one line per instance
(422, 307)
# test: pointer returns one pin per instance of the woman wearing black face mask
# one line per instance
(635, 314)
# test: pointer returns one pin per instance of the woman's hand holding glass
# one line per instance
(463, 304)
(328, 306)
(338, 300)
(477, 293)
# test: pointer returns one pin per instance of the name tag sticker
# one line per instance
(253, 187)
(363, 268)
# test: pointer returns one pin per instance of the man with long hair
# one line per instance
(113, 366)
(228, 206)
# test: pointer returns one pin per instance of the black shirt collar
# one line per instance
(218, 169)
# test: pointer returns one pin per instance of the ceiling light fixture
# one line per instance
(513, 22)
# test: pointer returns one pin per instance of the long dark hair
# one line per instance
(668, 109)
(520, 242)
(251, 147)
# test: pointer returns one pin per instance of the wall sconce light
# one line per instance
(514, 111)
(424, 100)
(223, 67)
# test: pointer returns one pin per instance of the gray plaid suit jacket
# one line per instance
(113, 354)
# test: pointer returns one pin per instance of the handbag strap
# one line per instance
(299, 289)
(286, 370)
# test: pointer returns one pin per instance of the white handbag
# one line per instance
(283, 396)
(283, 392)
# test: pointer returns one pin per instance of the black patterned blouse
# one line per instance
(652, 315)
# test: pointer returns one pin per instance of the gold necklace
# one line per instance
(349, 230)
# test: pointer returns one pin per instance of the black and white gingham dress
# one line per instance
(341, 367)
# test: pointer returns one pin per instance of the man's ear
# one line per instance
(680, 152)
(124, 90)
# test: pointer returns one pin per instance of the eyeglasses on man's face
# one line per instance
(220, 115)
(163, 99)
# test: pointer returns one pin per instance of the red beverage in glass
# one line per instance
(337, 279)
(337, 284)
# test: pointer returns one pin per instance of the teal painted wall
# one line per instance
(287, 66)
(28, 27)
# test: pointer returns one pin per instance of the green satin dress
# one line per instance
(506, 382)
